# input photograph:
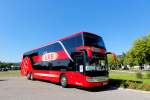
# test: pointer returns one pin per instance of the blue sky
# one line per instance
(26, 24)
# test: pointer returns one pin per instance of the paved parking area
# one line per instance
(18, 88)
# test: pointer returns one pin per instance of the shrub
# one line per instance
(126, 84)
(139, 75)
(129, 84)
(140, 86)
(132, 85)
(146, 87)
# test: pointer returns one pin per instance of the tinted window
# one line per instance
(53, 65)
(71, 43)
(50, 48)
(93, 40)
(42, 66)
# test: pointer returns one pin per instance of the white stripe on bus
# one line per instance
(48, 75)
(65, 50)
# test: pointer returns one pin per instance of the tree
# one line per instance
(112, 63)
(120, 59)
(139, 53)
(148, 49)
(129, 58)
(8, 65)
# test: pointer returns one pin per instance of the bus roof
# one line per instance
(75, 34)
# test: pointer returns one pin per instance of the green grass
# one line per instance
(10, 73)
(129, 79)
(128, 75)
(122, 75)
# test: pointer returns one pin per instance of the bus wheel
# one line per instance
(30, 76)
(63, 81)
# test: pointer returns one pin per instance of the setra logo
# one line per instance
(49, 56)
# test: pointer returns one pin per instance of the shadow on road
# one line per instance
(98, 89)
(95, 89)
(3, 79)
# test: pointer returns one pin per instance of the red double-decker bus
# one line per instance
(79, 60)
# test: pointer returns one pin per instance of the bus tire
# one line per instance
(30, 76)
(63, 81)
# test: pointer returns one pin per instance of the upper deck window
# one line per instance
(93, 40)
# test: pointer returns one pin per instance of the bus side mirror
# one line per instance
(76, 54)
(84, 52)
(113, 54)
(108, 53)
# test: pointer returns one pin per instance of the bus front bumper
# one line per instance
(93, 81)
(95, 84)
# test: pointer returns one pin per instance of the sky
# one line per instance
(27, 24)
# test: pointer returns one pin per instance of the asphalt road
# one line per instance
(16, 88)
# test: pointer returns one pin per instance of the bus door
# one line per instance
(79, 62)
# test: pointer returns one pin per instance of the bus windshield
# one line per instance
(93, 40)
(96, 66)
(97, 63)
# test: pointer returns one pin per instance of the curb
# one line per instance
(142, 91)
